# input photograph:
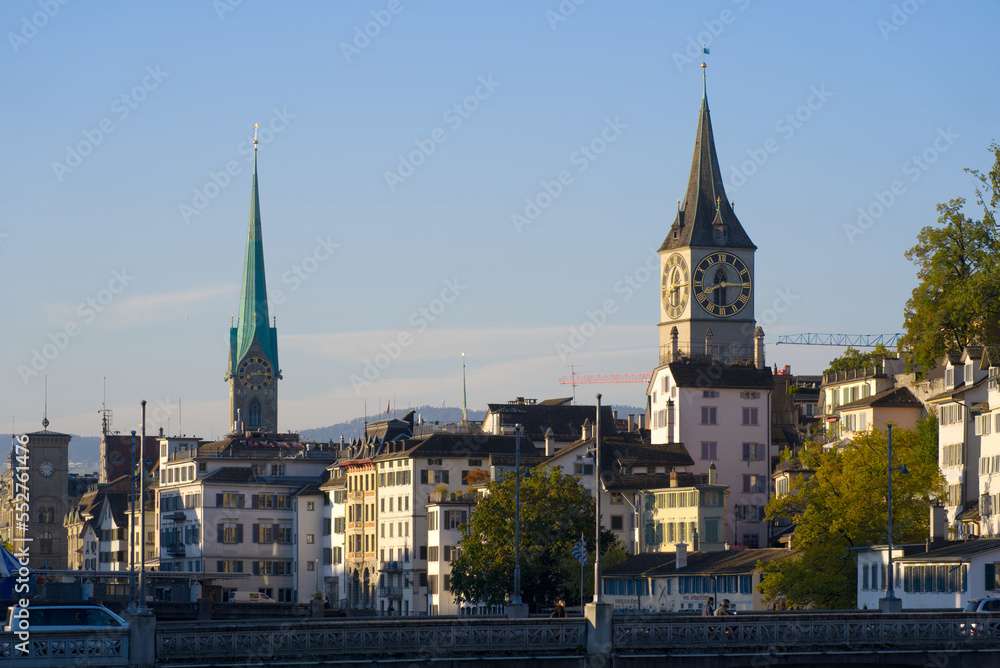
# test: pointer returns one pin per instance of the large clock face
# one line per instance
(255, 373)
(674, 286)
(46, 468)
(722, 284)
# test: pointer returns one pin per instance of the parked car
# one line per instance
(987, 604)
(61, 618)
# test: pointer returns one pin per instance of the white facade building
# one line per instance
(722, 415)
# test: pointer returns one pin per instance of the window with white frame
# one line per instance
(709, 415)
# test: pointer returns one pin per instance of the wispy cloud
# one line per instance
(141, 309)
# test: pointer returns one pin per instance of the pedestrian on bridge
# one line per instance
(709, 607)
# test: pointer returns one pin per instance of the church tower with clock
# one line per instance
(706, 262)
(253, 342)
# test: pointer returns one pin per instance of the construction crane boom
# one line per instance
(853, 340)
(578, 379)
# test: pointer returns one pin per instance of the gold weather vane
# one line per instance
(255, 135)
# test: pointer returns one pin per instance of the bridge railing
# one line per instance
(86, 647)
(756, 633)
(178, 643)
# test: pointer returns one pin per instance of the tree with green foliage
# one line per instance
(957, 301)
(843, 505)
(855, 359)
(555, 511)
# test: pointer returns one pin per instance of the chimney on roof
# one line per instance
(642, 420)
(713, 474)
(550, 442)
(631, 422)
(939, 523)
(586, 431)
(758, 347)
(675, 348)
(708, 342)
(681, 555)
(670, 421)
(673, 478)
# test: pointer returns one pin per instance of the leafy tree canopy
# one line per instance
(855, 359)
(555, 511)
(843, 505)
(957, 301)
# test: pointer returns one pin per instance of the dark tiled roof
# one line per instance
(705, 202)
(896, 397)
(566, 421)
(507, 459)
(957, 551)
(714, 375)
(45, 433)
(241, 474)
(312, 489)
(623, 482)
(472, 446)
(633, 449)
(991, 356)
(118, 505)
(665, 563)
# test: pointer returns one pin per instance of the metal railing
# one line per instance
(803, 631)
(178, 643)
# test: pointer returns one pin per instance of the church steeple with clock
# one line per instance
(253, 342)
(706, 262)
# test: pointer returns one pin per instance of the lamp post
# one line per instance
(517, 608)
(597, 498)
(142, 512)
(131, 532)
(890, 603)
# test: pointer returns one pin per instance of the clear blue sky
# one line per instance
(115, 115)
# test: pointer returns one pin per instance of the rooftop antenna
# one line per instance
(465, 412)
(105, 413)
(180, 416)
(45, 410)
(572, 373)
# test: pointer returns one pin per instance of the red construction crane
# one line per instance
(579, 379)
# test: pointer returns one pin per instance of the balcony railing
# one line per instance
(390, 592)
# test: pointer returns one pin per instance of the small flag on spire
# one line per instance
(705, 50)
(387, 408)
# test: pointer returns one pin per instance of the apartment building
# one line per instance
(722, 414)
(232, 508)
(960, 410)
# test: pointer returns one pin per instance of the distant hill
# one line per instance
(430, 414)
(84, 452)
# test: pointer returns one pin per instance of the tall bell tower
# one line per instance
(706, 263)
(253, 342)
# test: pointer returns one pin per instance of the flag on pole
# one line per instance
(387, 408)
(705, 50)
(580, 551)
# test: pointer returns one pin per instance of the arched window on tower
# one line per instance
(253, 414)
(720, 288)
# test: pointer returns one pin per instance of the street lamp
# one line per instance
(597, 498)
(517, 607)
(890, 603)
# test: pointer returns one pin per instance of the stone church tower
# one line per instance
(706, 263)
(253, 342)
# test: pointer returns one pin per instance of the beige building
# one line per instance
(685, 513)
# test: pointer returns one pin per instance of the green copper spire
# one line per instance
(253, 321)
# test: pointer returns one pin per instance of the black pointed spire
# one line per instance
(706, 218)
